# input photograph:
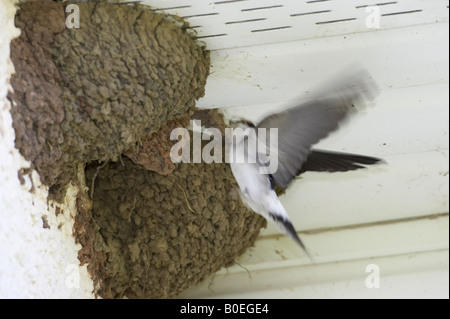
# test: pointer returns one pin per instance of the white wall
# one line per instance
(35, 262)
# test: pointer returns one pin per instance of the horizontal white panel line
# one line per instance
(336, 21)
(377, 4)
(245, 21)
(229, 1)
(309, 13)
(356, 226)
(378, 223)
(171, 8)
(295, 263)
(335, 35)
(272, 29)
(314, 1)
(262, 8)
(200, 15)
(401, 12)
(211, 36)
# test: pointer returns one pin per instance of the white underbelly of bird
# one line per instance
(258, 195)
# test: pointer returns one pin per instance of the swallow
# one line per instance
(298, 128)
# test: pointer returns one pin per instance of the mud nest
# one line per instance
(154, 235)
(103, 98)
(89, 93)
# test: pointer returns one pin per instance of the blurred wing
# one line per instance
(328, 161)
(303, 126)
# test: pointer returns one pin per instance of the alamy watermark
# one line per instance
(73, 18)
(373, 19)
(373, 279)
(242, 145)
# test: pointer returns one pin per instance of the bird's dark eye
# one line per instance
(250, 124)
(271, 182)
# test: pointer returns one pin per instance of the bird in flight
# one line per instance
(299, 128)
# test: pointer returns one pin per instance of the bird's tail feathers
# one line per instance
(285, 226)
(328, 161)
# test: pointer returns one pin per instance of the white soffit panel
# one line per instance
(268, 55)
(240, 23)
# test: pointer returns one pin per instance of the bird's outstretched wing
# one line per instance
(328, 161)
(302, 126)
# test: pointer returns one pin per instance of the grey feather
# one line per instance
(302, 126)
(328, 161)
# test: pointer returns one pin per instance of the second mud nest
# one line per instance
(156, 235)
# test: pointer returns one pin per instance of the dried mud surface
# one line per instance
(153, 152)
(157, 235)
